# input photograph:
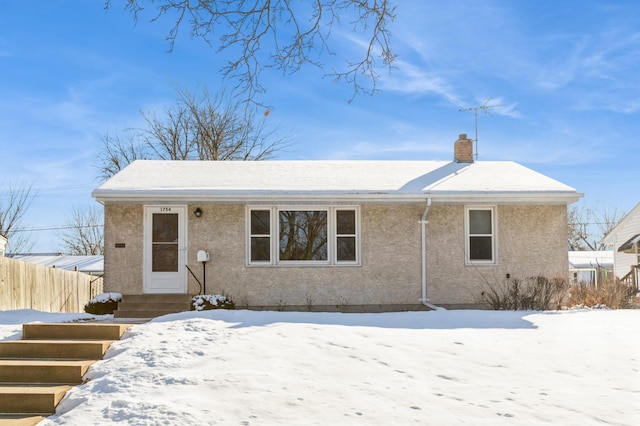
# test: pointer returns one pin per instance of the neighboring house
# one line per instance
(333, 235)
(90, 265)
(3, 245)
(590, 267)
(624, 240)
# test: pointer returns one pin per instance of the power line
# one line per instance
(56, 228)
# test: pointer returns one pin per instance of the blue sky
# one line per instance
(566, 75)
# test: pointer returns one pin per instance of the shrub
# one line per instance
(534, 293)
(103, 304)
(612, 294)
(207, 302)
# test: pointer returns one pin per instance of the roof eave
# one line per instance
(190, 196)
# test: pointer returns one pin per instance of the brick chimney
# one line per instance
(463, 150)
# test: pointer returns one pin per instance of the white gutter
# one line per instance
(423, 235)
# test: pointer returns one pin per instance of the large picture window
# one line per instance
(480, 235)
(299, 236)
(303, 234)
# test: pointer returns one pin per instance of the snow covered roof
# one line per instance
(590, 259)
(153, 180)
(86, 264)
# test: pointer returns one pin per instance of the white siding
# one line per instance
(627, 228)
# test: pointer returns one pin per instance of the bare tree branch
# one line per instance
(203, 127)
(117, 153)
(279, 34)
(14, 203)
(588, 226)
(84, 232)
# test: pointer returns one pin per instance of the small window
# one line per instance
(480, 230)
(260, 236)
(346, 236)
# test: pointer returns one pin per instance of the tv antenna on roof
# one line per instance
(484, 107)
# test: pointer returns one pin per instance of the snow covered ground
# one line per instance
(437, 368)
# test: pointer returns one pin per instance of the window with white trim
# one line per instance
(303, 236)
(480, 235)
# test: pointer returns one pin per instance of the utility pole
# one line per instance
(484, 107)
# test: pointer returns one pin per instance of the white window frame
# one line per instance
(493, 235)
(332, 236)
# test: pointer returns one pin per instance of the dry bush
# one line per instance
(612, 294)
(534, 293)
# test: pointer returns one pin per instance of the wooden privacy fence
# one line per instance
(25, 285)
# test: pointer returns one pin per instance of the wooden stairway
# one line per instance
(37, 371)
(152, 305)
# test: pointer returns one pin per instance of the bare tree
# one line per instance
(14, 203)
(589, 225)
(279, 34)
(83, 233)
(118, 152)
(195, 128)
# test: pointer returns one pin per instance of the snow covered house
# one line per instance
(90, 265)
(332, 235)
(624, 240)
(590, 267)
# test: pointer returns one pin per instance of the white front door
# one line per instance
(165, 249)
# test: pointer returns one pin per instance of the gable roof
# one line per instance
(401, 181)
(610, 237)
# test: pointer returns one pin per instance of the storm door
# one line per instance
(165, 249)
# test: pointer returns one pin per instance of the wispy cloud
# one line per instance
(411, 79)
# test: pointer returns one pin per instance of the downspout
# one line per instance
(423, 236)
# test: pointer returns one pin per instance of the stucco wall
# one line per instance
(531, 241)
(389, 273)
(123, 265)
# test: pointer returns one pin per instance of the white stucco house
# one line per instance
(332, 235)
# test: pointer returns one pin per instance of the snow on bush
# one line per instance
(205, 302)
(104, 303)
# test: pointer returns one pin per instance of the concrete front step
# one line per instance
(152, 305)
(74, 331)
(135, 313)
(54, 349)
(30, 399)
(43, 371)
(156, 298)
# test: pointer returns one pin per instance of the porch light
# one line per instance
(198, 212)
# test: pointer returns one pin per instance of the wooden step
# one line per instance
(20, 420)
(74, 331)
(54, 349)
(43, 371)
(31, 399)
(36, 372)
